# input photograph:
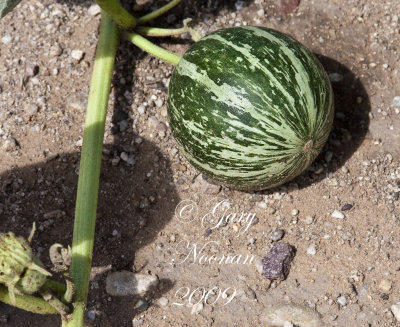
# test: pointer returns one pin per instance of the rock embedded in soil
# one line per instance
(163, 301)
(346, 207)
(125, 283)
(396, 311)
(276, 264)
(277, 235)
(77, 54)
(298, 315)
(337, 214)
(385, 285)
(342, 300)
(203, 185)
(94, 10)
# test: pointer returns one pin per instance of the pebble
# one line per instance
(277, 235)
(276, 264)
(342, 300)
(124, 283)
(258, 263)
(337, 214)
(91, 314)
(312, 250)
(204, 186)
(396, 101)
(296, 314)
(141, 110)
(55, 50)
(137, 322)
(260, 12)
(123, 125)
(288, 324)
(328, 156)
(163, 301)
(239, 5)
(30, 111)
(385, 285)
(141, 305)
(197, 308)
(32, 70)
(10, 145)
(94, 10)
(159, 103)
(152, 122)
(171, 18)
(295, 212)
(77, 54)
(6, 39)
(335, 77)
(396, 311)
(308, 220)
(345, 169)
(347, 206)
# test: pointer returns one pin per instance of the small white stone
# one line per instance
(94, 10)
(6, 39)
(345, 169)
(197, 308)
(77, 54)
(337, 214)
(311, 250)
(258, 263)
(260, 12)
(163, 301)
(141, 110)
(114, 232)
(396, 101)
(287, 324)
(159, 103)
(308, 220)
(396, 311)
(295, 212)
(342, 300)
(385, 285)
(125, 283)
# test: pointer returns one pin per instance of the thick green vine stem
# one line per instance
(144, 19)
(89, 172)
(27, 302)
(153, 49)
(118, 13)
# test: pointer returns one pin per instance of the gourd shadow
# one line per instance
(350, 125)
(135, 203)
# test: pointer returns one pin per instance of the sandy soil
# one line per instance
(346, 269)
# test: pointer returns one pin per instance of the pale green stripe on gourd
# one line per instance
(244, 102)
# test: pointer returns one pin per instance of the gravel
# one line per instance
(124, 283)
(277, 262)
(337, 214)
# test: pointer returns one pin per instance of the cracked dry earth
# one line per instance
(341, 216)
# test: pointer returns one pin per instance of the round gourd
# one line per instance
(250, 107)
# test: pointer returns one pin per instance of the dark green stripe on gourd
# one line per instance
(250, 107)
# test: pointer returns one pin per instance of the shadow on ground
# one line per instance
(130, 201)
(350, 126)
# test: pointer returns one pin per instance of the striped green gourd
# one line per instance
(250, 107)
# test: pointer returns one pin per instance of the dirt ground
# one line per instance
(346, 269)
